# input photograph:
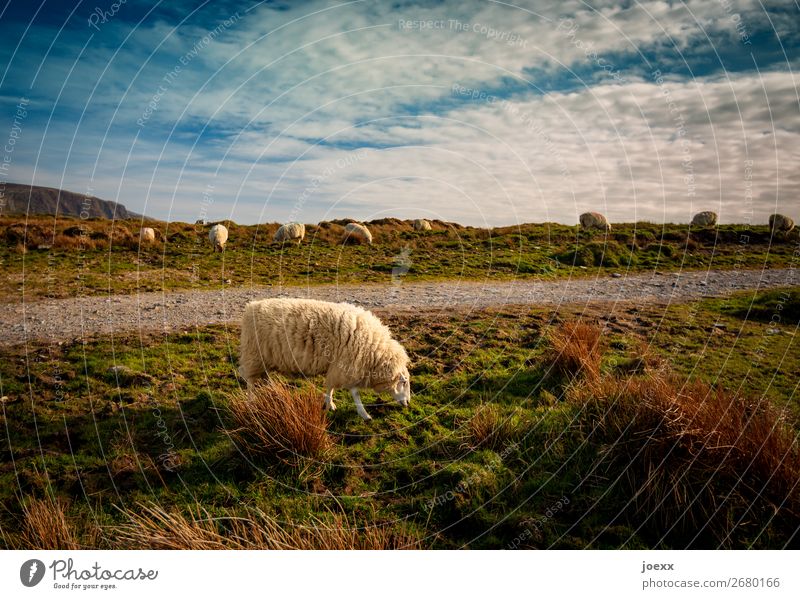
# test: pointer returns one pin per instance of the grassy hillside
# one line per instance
(502, 447)
(46, 257)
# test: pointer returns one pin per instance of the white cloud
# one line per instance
(278, 81)
(614, 148)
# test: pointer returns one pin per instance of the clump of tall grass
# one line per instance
(694, 460)
(45, 525)
(578, 350)
(153, 527)
(275, 419)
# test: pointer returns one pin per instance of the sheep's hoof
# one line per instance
(366, 417)
(330, 407)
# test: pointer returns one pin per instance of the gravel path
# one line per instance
(68, 319)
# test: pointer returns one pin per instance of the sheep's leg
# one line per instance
(359, 406)
(329, 405)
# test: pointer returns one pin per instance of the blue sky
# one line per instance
(486, 113)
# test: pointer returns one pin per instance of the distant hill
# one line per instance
(48, 200)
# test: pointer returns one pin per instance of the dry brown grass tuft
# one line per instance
(489, 428)
(578, 350)
(45, 526)
(691, 454)
(67, 242)
(325, 232)
(276, 419)
(153, 527)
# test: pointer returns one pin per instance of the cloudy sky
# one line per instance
(474, 111)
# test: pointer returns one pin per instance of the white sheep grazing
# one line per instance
(348, 344)
(357, 232)
(290, 232)
(218, 236)
(422, 225)
(594, 220)
(780, 223)
(147, 235)
(704, 219)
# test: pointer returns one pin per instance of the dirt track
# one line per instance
(68, 319)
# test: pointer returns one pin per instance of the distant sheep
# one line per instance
(780, 223)
(357, 232)
(147, 235)
(704, 219)
(594, 220)
(422, 225)
(290, 232)
(218, 236)
(348, 344)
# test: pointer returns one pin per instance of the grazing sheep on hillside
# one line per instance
(780, 223)
(422, 225)
(704, 219)
(357, 232)
(147, 235)
(348, 344)
(594, 220)
(218, 236)
(290, 232)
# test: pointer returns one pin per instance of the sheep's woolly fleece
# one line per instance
(594, 220)
(357, 232)
(218, 236)
(346, 343)
(779, 222)
(704, 219)
(422, 225)
(290, 231)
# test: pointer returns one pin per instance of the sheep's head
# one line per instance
(401, 388)
(398, 384)
(391, 374)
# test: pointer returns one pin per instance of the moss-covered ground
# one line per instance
(153, 431)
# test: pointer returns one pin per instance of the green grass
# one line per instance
(40, 260)
(69, 430)
(746, 351)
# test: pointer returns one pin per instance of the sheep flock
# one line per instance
(356, 233)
